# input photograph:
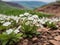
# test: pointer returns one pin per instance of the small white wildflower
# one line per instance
(9, 31)
(27, 23)
(23, 18)
(50, 22)
(16, 31)
(30, 18)
(42, 22)
(37, 25)
(6, 23)
(16, 17)
(35, 21)
(2, 21)
(21, 15)
(35, 16)
(41, 26)
(17, 21)
(26, 14)
(57, 26)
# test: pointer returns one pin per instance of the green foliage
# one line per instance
(28, 30)
(9, 39)
(51, 25)
(13, 24)
(19, 11)
(39, 14)
(3, 28)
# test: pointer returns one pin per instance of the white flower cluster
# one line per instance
(9, 31)
(54, 20)
(36, 20)
(5, 20)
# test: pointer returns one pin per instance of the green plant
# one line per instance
(28, 29)
(2, 28)
(12, 25)
(9, 39)
(51, 25)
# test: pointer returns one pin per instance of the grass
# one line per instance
(20, 11)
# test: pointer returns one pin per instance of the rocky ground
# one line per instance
(53, 8)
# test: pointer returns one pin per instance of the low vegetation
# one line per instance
(13, 28)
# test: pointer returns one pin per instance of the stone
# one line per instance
(57, 38)
(35, 39)
(54, 42)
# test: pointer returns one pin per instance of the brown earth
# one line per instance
(52, 8)
(50, 37)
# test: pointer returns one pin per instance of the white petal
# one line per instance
(6, 23)
(16, 31)
(9, 31)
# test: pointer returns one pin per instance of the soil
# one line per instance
(47, 37)
(52, 8)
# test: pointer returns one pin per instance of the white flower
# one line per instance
(23, 18)
(9, 31)
(26, 14)
(57, 26)
(37, 25)
(41, 26)
(35, 16)
(17, 20)
(21, 15)
(50, 22)
(16, 31)
(2, 21)
(30, 18)
(42, 22)
(35, 21)
(6, 23)
(27, 23)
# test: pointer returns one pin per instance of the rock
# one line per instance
(45, 29)
(45, 43)
(35, 39)
(39, 30)
(42, 29)
(58, 24)
(25, 42)
(57, 38)
(39, 43)
(54, 42)
(57, 30)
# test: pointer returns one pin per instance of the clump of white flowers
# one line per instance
(9, 31)
(26, 16)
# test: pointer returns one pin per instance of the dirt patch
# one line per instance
(48, 37)
(53, 8)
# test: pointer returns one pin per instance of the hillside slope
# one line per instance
(6, 5)
(9, 8)
(52, 8)
(30, 4)
(14, 5)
